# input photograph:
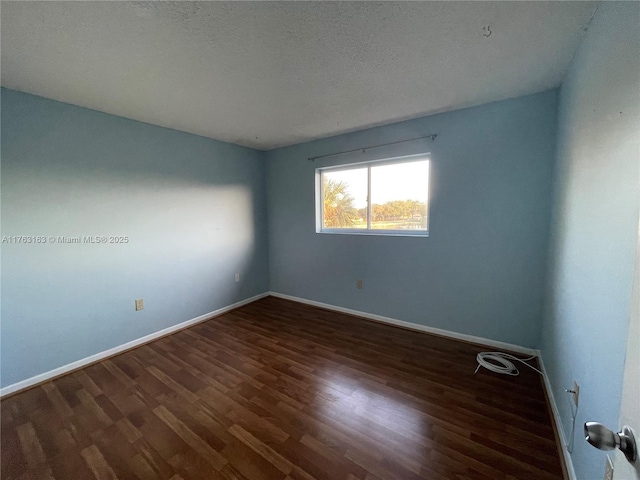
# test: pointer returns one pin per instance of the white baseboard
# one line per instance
(413, 326)
(56, 372)
(556, 418)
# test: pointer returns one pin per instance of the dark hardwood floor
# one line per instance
(281, 390)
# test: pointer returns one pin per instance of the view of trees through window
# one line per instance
(399, 196)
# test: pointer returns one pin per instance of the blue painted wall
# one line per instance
(482, 269)
(193, 209)
(595, 224)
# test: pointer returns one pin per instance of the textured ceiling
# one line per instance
(269, 74)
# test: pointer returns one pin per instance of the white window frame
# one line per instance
(368, 164)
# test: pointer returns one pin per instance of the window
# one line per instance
(384, 197)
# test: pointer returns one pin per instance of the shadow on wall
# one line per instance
(182, 215)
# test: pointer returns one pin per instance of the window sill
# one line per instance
(383, 233)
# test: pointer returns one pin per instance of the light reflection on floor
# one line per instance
(373, 410)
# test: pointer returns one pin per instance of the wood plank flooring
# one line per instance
(281, 390)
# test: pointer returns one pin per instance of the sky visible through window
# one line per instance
(389, 182)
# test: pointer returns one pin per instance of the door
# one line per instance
(630, 409)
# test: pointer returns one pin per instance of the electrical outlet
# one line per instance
(576, 393)
(608, 469)
(359, 284)
(237, 277)
(139, 304)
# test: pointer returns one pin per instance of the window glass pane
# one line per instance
(399, 195)
(345, 198)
